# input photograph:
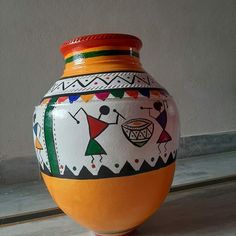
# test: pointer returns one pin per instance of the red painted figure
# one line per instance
(96, 127)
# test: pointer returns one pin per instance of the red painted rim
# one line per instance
(94, 40)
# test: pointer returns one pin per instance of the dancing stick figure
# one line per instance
(96, 127)
(162, 121)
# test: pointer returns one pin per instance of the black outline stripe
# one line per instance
(104, 172)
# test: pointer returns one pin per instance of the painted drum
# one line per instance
(106, 135)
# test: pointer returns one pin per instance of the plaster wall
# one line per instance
(188, 46)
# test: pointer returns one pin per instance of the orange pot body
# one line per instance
(106, 136)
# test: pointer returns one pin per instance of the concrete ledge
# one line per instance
(18, 170)
(24, 169)
(207, 144)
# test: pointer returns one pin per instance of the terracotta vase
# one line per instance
(106, 135)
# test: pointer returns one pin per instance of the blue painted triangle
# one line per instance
(35, 128)
(145, 92)
(73, 98)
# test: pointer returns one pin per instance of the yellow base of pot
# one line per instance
(112, 205)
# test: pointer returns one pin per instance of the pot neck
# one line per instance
(101, 53)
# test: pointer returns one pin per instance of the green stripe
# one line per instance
(49, 139)
(101, 53)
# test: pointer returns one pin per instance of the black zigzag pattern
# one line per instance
(127, 170)
(63, 85)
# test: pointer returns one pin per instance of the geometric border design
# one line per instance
(109, 94)
(102, 87)
(105, 172)
(102, 81)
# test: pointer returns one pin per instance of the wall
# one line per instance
(189, 47)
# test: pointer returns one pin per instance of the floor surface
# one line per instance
(203, 211)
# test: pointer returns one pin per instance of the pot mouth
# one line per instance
(95, 40)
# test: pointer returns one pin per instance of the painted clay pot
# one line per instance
(106, 135)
